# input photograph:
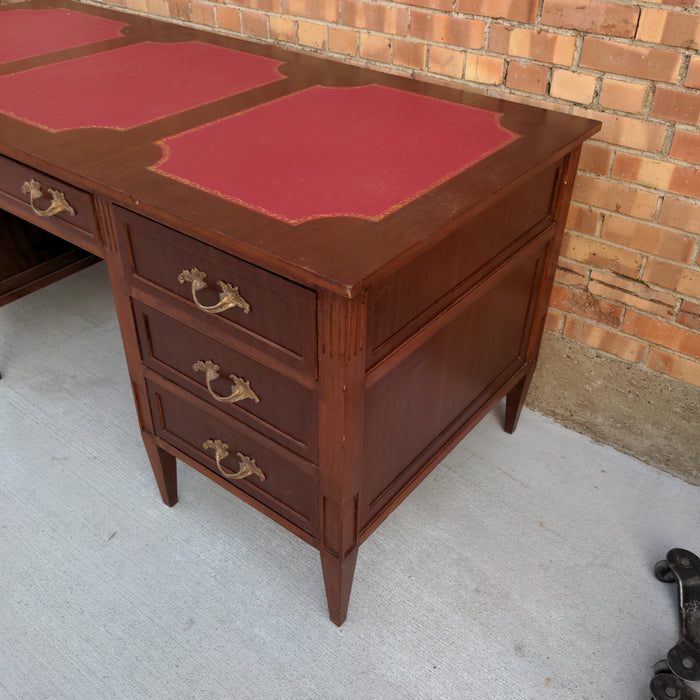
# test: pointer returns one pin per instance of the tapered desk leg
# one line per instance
(337, 576)
(342, 324)
(164, 469)
(515, 400)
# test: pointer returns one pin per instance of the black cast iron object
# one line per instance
(664, 685)
(684, 567)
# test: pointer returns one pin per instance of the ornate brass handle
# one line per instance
(58, 199)
(247, 465)
(228, 298)
(240, 389)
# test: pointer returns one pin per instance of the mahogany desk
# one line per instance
(324, 276)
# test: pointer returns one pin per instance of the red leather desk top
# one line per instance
(329, 151)
(132, 85)
(318, 170)
(25, 33)
(323, 151)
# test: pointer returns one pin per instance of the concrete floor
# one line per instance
(521, 568)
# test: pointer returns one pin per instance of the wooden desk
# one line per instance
(324, 276)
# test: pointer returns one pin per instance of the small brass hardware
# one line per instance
(58, 200)
(240, 389)
(229, 296)
(247, 465)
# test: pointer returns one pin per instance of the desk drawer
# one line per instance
(289, 486)
(269, 402)
(261, 309)
(50, 203)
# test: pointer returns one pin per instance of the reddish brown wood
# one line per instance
(32, 258)
(342, 336)
(164, 469)
(290, 484)
(375, 345)
(515, 400)
(281, 316)
(285, 410)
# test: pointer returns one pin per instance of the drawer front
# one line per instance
(50, 203)
(290, 485)
(269, 402)
(264, 310)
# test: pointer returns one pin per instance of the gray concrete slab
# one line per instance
(521, 568)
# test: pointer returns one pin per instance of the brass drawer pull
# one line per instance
(240, 389)
(58, 199)
(228, 298)
(247, 465)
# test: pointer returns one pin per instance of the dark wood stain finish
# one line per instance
(374, 346)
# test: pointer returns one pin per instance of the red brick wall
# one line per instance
(629, 277)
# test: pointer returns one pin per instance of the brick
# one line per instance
(575, 87)
(312, 34)
(262, 5)
(583, 219)
(553, 321)
(254, 23)
(410, 54)
(180, 9)
(142, 6)
(343, 41)
(669, 28)
(570, 274)
(203, 13)
(692, 78)
(648, 238)
(535, 101)
(484, 69)
(283, 28)
(516, 10)
(683, 341)
(681, 368)
(689, 315)
(678, 3)
(659, 174)
(619, 94)
(686, 146)
(528, 77)
(581, 303)
(625, 59)
(444, 29)
(539, 46)
(591, 16)
(684, 280)
(158, 7)
(689, 283)
(444, 5)
(614, 197)
(326, 10)
(676, 105)
(446, 61)
(632, 293)
(598, 254)
(595, 158)
(228, 18)
(375, 48)
(378, 18)
(605, 340)
(626, 131)
(679, 214)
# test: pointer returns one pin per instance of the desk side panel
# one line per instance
(431, 389)
(413, 295)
